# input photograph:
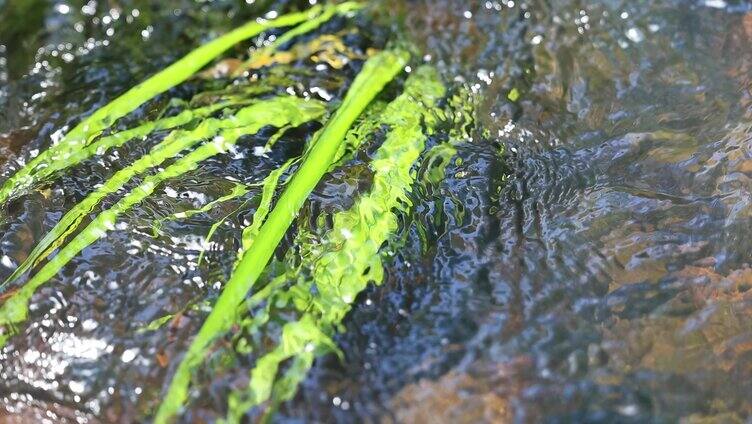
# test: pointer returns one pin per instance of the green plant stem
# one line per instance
(376, 73)
(348, 257)
(276, 112)
(238, 190)
(83, 133)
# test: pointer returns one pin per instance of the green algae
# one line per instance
(514, 94)
(348, 258)
(302, 341)
(376, 73)
(276, 112)
(173, 144)
(267, 194)
(82, 135)
(437, 159)
(238, 190)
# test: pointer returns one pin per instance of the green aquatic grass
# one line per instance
(348, 258)
(268, 188)
(313, 290)
(276, 112)
(60, 154)
(173, 144)
(214, 228)
(376, 73)
(369, 122)
(156, 324)
(120, 138)
(238, 190)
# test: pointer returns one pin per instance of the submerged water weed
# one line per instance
(48, 169)
(238, 190)
(319, 287)
(173, 144)
(268, 187)
(70, 150)
(348, 257)
(277, 112)
(176, 142)
(376, 73)
(267, 194)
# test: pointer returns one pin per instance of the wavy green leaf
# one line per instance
(83, 134)
(348, 257)
(376, 73)
(276, 112)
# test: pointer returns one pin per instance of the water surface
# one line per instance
(585, 258)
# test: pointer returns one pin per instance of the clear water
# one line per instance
(596, 271)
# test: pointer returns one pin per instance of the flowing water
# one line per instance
(577, 249)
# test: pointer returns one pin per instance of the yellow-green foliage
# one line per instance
(222, 134)
(172, 145)
(73, 148)
(348, 258)
(316, 290)
(376, 73)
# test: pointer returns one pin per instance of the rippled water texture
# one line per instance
(585, 256)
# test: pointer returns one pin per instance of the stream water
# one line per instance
(585, 257)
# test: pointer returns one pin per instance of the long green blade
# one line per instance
(118, 139)
(81, 135)
(349, 254)
(376, 73)
(173, 144)
(276, 112)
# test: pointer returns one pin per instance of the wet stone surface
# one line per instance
(584, 257)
